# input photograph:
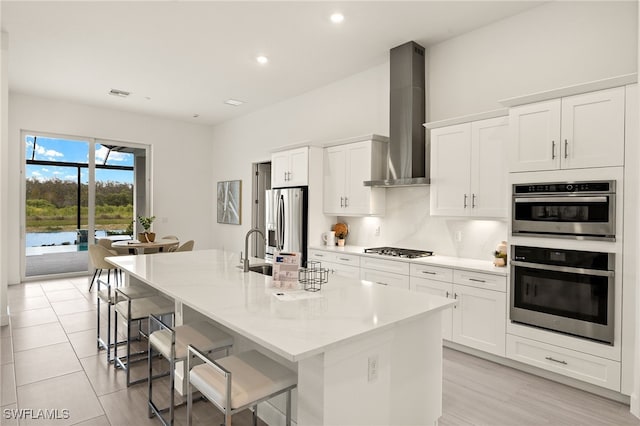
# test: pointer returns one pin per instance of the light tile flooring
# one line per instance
(49, 360)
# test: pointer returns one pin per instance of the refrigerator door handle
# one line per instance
(281, 223)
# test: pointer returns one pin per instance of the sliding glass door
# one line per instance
(76, 192)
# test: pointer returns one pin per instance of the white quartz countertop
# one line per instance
(435, 260)
(295, 324)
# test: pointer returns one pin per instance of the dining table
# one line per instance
(139, 247)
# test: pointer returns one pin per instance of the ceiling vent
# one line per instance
(120, 93)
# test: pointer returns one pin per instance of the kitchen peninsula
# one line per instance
(364, 353)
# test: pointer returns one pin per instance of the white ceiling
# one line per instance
(180, 58)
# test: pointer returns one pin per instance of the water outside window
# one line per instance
(57, 201)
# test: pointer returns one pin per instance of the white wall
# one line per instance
(351, 107)
(554, 45)
(180, 152)
(4, 182)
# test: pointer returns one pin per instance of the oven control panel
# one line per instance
(565, 187)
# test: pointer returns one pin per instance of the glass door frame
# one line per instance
(92, 141)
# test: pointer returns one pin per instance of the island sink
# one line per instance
(264, 269)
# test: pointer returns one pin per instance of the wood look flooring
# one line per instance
(48, 359)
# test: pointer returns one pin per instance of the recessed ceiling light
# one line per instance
(336, 18)
(233, 102)
(262, 60)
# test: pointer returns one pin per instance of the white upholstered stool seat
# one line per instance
(201, 334)
(251, 377)
(172, 344)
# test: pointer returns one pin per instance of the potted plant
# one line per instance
(146, 236)
(341, 231)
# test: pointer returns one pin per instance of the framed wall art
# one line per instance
(229, 198)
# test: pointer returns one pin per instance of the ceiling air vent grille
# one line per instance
(120, 93)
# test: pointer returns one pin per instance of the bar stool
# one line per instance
(136, 310)
(107, 295)
(236, 382)
(172, 343)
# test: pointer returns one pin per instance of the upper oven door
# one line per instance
(589, 216)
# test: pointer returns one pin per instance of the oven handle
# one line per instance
(582, 271)
(562, 199)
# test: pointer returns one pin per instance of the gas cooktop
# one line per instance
(399, 252)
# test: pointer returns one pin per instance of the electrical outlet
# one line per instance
(373, 368)
(377, 231)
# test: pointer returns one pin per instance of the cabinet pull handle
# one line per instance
(555, 360)
(465, 201)
(446, 294)
(455, 295)
(345, 259)
(566, 148)
(477, 280)
(285, 176)
(318, 255)
(346, 201)
(341, 201)
(553, 150)
(429, 272)
(381, 283)
(473, 201)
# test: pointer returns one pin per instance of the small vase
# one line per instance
(146, 237)
(341, 242)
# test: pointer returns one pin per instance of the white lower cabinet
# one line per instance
(578, 365)
(436, 288)
(340, 264)
(385, 278)
(479, 318)
(385, 272)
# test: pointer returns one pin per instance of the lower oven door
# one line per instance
(576, 301)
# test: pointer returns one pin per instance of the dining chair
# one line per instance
(188, 246)
(174, 246)
(97, 253)
(171, 343)
(237, 382)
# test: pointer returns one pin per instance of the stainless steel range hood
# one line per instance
(407, 163)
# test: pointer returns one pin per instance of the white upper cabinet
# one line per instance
(469, 170)
(579, 131)
(290, 168)
(346, 167)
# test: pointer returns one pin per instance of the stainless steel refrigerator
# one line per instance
(286, 221)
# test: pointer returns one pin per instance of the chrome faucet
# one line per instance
(245, 261)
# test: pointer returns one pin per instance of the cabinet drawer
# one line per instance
(347, 259)
(341, 270)
(320, 256)
(581, 366)
(480, 280)
(385, 278)
(385, 265)
(432, 272)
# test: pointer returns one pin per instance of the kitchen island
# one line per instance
(365, 354)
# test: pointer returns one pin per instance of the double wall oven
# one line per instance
(564, 290)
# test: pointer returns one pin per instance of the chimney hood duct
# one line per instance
(407, 163)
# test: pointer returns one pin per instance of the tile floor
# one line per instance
(48, 359)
